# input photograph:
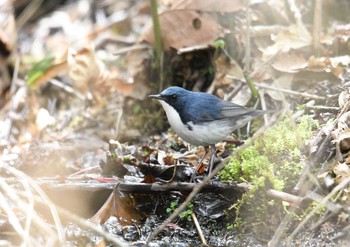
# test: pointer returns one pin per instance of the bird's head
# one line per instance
(173, 96)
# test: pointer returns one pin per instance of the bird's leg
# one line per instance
(212, 157)
(199, 164)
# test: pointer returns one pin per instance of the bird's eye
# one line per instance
(173, 96)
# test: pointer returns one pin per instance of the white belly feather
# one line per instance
(198, 135)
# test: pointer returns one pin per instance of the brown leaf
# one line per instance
(196, 29)
(226, 66)
(120, 206)
(85, 69)
(295, 37)
(289, 62)
(334, 65)
(149, 179)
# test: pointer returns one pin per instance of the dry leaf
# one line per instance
(226, 66)
(290, 63)
(117, 205)
(85, 69)
(185, 28)
(295, 37)
(334, 65)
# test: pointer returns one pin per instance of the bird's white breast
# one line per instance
(199, 134)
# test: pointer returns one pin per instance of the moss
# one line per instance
(275, 161)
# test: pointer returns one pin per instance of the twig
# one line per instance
(132, 48)
(192, 48)
(234, 92)
(66, 88)
(290, 92)
(199, 230)
(28, 12)
(324, 108)
(296, 201)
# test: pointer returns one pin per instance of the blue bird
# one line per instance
(203, 119)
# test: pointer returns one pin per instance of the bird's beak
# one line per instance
(156, 96)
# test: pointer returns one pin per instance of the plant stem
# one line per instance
(156, 31)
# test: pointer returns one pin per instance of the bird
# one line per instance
(203, 119)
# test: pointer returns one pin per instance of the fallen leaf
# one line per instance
(295, 37)
(85, 69)
(120, 206)
(333, 65)
(289, 62)
(196, 29)
(226, 66)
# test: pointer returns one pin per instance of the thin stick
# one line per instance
(131, 48)
(199, 229)
(290, 92)
(28, 12)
